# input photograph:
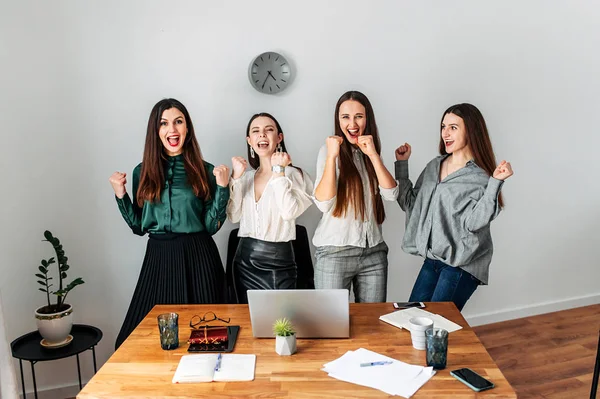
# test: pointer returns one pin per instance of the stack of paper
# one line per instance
(397, 378)
(401, 319)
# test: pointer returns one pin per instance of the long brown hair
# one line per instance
(350, 188)
(255, 161)
(478, 138)
(152, 178)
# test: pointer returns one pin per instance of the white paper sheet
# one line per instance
(398, 378)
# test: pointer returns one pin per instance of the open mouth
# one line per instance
(262, 144)
(353, 134)
(173, 141)
(449, 143)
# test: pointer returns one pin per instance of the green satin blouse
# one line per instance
(179, 210)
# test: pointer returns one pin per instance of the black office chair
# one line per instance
(301, 251)
(596, 372)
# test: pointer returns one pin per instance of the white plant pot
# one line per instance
(285, 346)
(54, 327)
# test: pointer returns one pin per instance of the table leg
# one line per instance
(22, 378)
(34, 382)
(94, 354)
(79, 372)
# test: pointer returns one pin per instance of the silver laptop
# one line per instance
(314, 313)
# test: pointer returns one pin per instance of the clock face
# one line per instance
(269, 73)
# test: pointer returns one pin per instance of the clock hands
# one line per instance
(263, 85)
(268, 74)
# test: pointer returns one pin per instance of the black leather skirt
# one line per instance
(263, 265)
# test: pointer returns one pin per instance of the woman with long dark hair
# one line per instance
(451, 206)
(266, 201)
(350, 185)
(180, 200)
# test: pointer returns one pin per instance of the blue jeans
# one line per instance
(439, 282)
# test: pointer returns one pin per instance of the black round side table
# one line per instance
(28, 347)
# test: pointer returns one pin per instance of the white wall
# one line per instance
(79, 79)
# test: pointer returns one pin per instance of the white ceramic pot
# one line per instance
(54, 327)
(285, 346)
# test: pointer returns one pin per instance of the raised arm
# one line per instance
(292, 193)
(406, 194)
(326, 182)
(215, 209)
(326, 170)
(131, 212)
(385, 179)
(483, 211)
(236, 192)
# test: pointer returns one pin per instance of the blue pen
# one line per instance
(218, 366)
(376, 363)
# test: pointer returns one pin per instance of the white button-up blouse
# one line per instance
(273, 217)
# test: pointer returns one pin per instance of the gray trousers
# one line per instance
(365, 269)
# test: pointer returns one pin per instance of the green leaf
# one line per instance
(64, 268)
(44, 263)
(50, 261)
(48, 235)
(40, 275)
(42, 283)
(43, 269)
(65, 259)
(43, 290)
(63, 275)
(73, 284)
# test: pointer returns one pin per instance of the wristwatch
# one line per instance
(278, 169)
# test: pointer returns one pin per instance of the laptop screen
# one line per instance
(314, 313)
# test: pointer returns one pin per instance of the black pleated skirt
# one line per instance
(263, 265)
(177, 269)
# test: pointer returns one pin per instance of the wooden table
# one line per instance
(140, 368)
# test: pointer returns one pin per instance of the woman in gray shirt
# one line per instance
(450, 208)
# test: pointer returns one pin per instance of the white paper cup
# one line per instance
(418, 326)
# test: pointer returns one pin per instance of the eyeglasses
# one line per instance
(207, 317)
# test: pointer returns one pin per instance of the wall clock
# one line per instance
(269, 73)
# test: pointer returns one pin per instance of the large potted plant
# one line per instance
(54, 320)
(285, 337)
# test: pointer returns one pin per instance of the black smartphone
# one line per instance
(406, 305)
(472, 379)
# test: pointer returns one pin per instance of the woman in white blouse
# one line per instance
(351, 182)
(266, 202)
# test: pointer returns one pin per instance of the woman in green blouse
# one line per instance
(180, 200)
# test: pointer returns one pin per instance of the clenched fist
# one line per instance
(366, 145)
(281, 159)
(333, 146)
(503, 171)
(239, 165)
(403, 152)
(221, 173)
(118, 181)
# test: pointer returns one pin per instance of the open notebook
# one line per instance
(201, 368)
(400, 319)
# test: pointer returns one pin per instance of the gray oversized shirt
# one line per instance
(450, 220)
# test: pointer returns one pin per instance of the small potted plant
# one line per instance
(54, 320)
(285, 337)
